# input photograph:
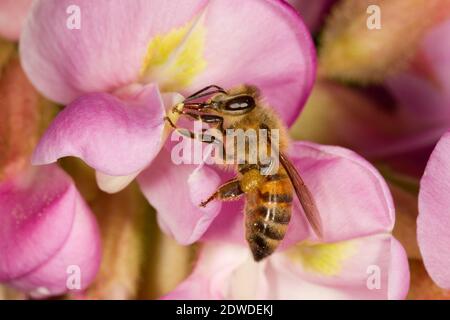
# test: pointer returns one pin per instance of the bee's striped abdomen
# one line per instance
(268, 212)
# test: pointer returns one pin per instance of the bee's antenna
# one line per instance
(204, 92)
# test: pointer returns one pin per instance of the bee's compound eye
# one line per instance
(240, 103)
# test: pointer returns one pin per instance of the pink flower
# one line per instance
(433, 223)
(359, 259)
(12, 17)
(118, 82)
(47, 233)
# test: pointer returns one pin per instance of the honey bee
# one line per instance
(268, 198)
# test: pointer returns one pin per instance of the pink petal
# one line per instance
(399, 275)
(211, 276)
(113, 184)
(229, 224)
(433, 223)
(45, 227)
(196, 287)
(280, 60)
(226, 271)
(352, 198)
(289, 280)
(176, 191)
(12, 17)
(108, 50)
(115, 137)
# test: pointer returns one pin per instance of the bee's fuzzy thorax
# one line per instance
(264, 116)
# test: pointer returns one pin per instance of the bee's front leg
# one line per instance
(230, 190)
(185, 132)
(202, 137)
(215, 121)
(170, 122)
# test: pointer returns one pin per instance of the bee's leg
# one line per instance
(202, 137)
(170, 122)
(230, 190)
(217, 121)
(185, 132)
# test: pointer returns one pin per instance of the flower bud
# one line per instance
(49, 240)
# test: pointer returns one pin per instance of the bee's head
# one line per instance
(236, 102)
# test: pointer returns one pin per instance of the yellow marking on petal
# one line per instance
(325, 258)
(174, 59)
(161, 47)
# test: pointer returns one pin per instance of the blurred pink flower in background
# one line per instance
(119, 82)
(12, 17)
(46, 228)
(358, 215)
(398, 115)
(423, 91)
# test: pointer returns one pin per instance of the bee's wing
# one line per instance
(304, 195)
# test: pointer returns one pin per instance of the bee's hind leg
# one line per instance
(230, 190)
